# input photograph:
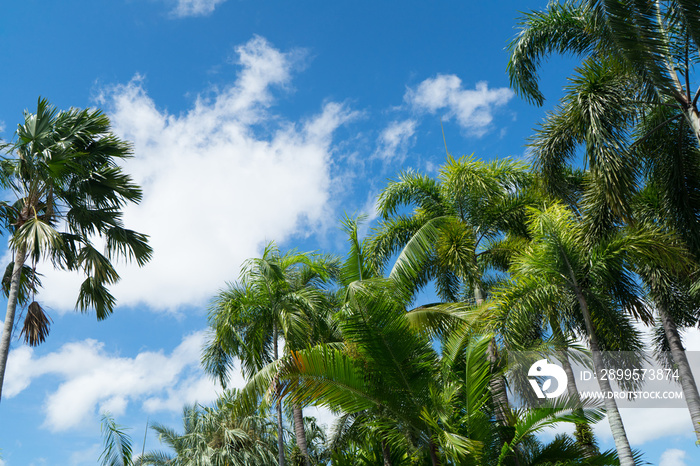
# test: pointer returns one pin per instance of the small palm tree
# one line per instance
(278, 296)
(220, 435)
(63, 169)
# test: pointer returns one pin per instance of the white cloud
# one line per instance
(85, 457)
(673, 457)
(93, 380)
(394, 141)
(195, 7)
(219, 180)
(472, 108)
(674, 422)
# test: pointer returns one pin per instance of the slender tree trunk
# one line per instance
(690, 388)
(386, 453)
(280, 432)
(435, 460)
(10, 314)
(583, 433)
(693, 118)
(622, 445)
(300, 433)
(497, 384)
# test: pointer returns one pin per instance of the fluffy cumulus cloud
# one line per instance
(93, 380)
(673, 457)
(195, 7)
(394, 141)
(218, 180)
(472, 108)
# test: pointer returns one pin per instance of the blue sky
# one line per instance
(251, 121)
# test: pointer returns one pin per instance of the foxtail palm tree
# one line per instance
(63, 169)
(637, 125)
(562, 265)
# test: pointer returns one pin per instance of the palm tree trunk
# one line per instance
(622, 445)
(300, 433)
(690, 388)
(280, 432)
(10, 314)
(583, 432)
(433, 453)
(386, 453)
(497, 384)
(693, 118)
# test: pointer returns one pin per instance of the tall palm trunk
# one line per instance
(280, 432)
(386, 453)
(300, 433)
(583, 432)
(434, 459)
(497, 384)
(10, 314)
(622, 445)
(690, 388)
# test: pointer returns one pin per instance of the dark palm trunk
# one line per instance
(280, 432)
(497, 384)
(434, 459)
(690, 388)
(10, 315)
(386, 453)
(300, 433)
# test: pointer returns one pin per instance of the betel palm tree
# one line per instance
(277, 296)
(562, 265)
(63, 169)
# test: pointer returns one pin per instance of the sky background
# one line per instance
(251, 122)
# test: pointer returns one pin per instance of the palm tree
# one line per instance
(278, 296)
(221, 435)
(561, 265)
(455, 234)
(657, 42)
(117, 444)
(63, 170)
(389, 375)
(626, 109)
